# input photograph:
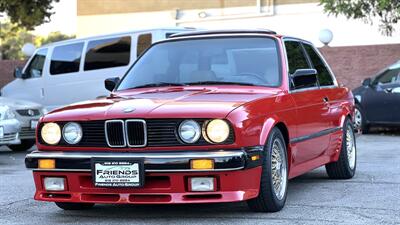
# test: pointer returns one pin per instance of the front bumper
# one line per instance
(10, 132)
(166, 177)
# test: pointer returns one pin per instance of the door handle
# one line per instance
(42, 92)
(326, 100)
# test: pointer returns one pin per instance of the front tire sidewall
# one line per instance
(267, 200)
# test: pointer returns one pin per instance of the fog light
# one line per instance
(201, 183)
(202, 164)
(54, 183)
(47, 163)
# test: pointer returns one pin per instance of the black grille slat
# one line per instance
(25, 112)
(136, 133)
(115, 133)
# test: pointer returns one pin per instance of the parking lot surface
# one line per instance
(371, 197)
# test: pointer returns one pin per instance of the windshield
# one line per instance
(243, 61)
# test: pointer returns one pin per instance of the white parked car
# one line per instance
(9, 127)
(74, 70)
(23, 115)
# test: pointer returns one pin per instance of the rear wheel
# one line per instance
(274, 177)
(359, 120)
(345, 167)
(74, 206)
(24, 146)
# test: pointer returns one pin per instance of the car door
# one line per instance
(32, 86)
(381, 101)
(312, 108)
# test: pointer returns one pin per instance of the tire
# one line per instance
(74, 206)
(345, 167)
(268, 199)
(24, 146)
(360, 123)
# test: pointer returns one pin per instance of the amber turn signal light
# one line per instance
(201, 164)
(255, 157)
(47, 164)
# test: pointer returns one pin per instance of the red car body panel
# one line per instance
(252, 111)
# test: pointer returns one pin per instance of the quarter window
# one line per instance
(35, 67)
(108, 53)
(144, 41)
(324, 76)
(296, 57)
(66, 59)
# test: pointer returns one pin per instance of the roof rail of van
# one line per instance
(233, 31)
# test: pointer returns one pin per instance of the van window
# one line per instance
(66, 59)
(35, 67)
(108, 53)
(144, 41)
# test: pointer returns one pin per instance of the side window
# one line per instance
(66, 59)
(296, 57)
(390, 76)
(324, 77)
(144, 41)
(108, 53)
(35, 67)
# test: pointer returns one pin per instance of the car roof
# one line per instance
(231, 31)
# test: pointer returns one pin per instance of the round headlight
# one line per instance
(51, 133)
(189, 131)
(217, 131)
(72, 133)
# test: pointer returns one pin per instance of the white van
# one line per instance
(74, 70)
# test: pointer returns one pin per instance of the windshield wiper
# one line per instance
(159, 84)
(219, 82)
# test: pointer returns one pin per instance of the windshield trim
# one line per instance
(223, 36)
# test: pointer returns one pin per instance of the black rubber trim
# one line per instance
(315, 135)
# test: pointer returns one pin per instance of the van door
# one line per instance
(63, 80)
(32, 87)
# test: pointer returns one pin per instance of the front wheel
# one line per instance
(74, 206)
(345, 167)
(24, 146)
(274, 177)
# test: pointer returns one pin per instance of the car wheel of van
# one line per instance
(25, 145)
(345, 167)
(359, 120)
(274, 177)
(74, 206)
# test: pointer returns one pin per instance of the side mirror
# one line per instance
(18, 73)
(367, 82)
(111, 83)
(304, 78)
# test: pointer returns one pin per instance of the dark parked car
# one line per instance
(378, 100)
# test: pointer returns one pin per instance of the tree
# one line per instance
(27, 13)
(387, 11)
(52, 37)
(12, 38)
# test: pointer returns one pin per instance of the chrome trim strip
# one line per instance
(147, 171)
(315, 135)
(123, 131)
(144, 131)
(153, 155)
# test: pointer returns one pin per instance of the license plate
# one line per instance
(1, 132)
(117, 173)
(34, 124)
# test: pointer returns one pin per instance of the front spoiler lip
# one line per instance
(224, 160)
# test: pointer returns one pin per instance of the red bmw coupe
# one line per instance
(202, 117)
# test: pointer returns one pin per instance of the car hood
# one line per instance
(162, 103)
(19, 104)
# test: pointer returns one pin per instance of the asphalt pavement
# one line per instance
(371, 197)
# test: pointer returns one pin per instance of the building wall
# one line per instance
(350, 64)
(299, 18)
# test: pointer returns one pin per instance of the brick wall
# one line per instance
(353, 64)
(7, 70)
(350, 64)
